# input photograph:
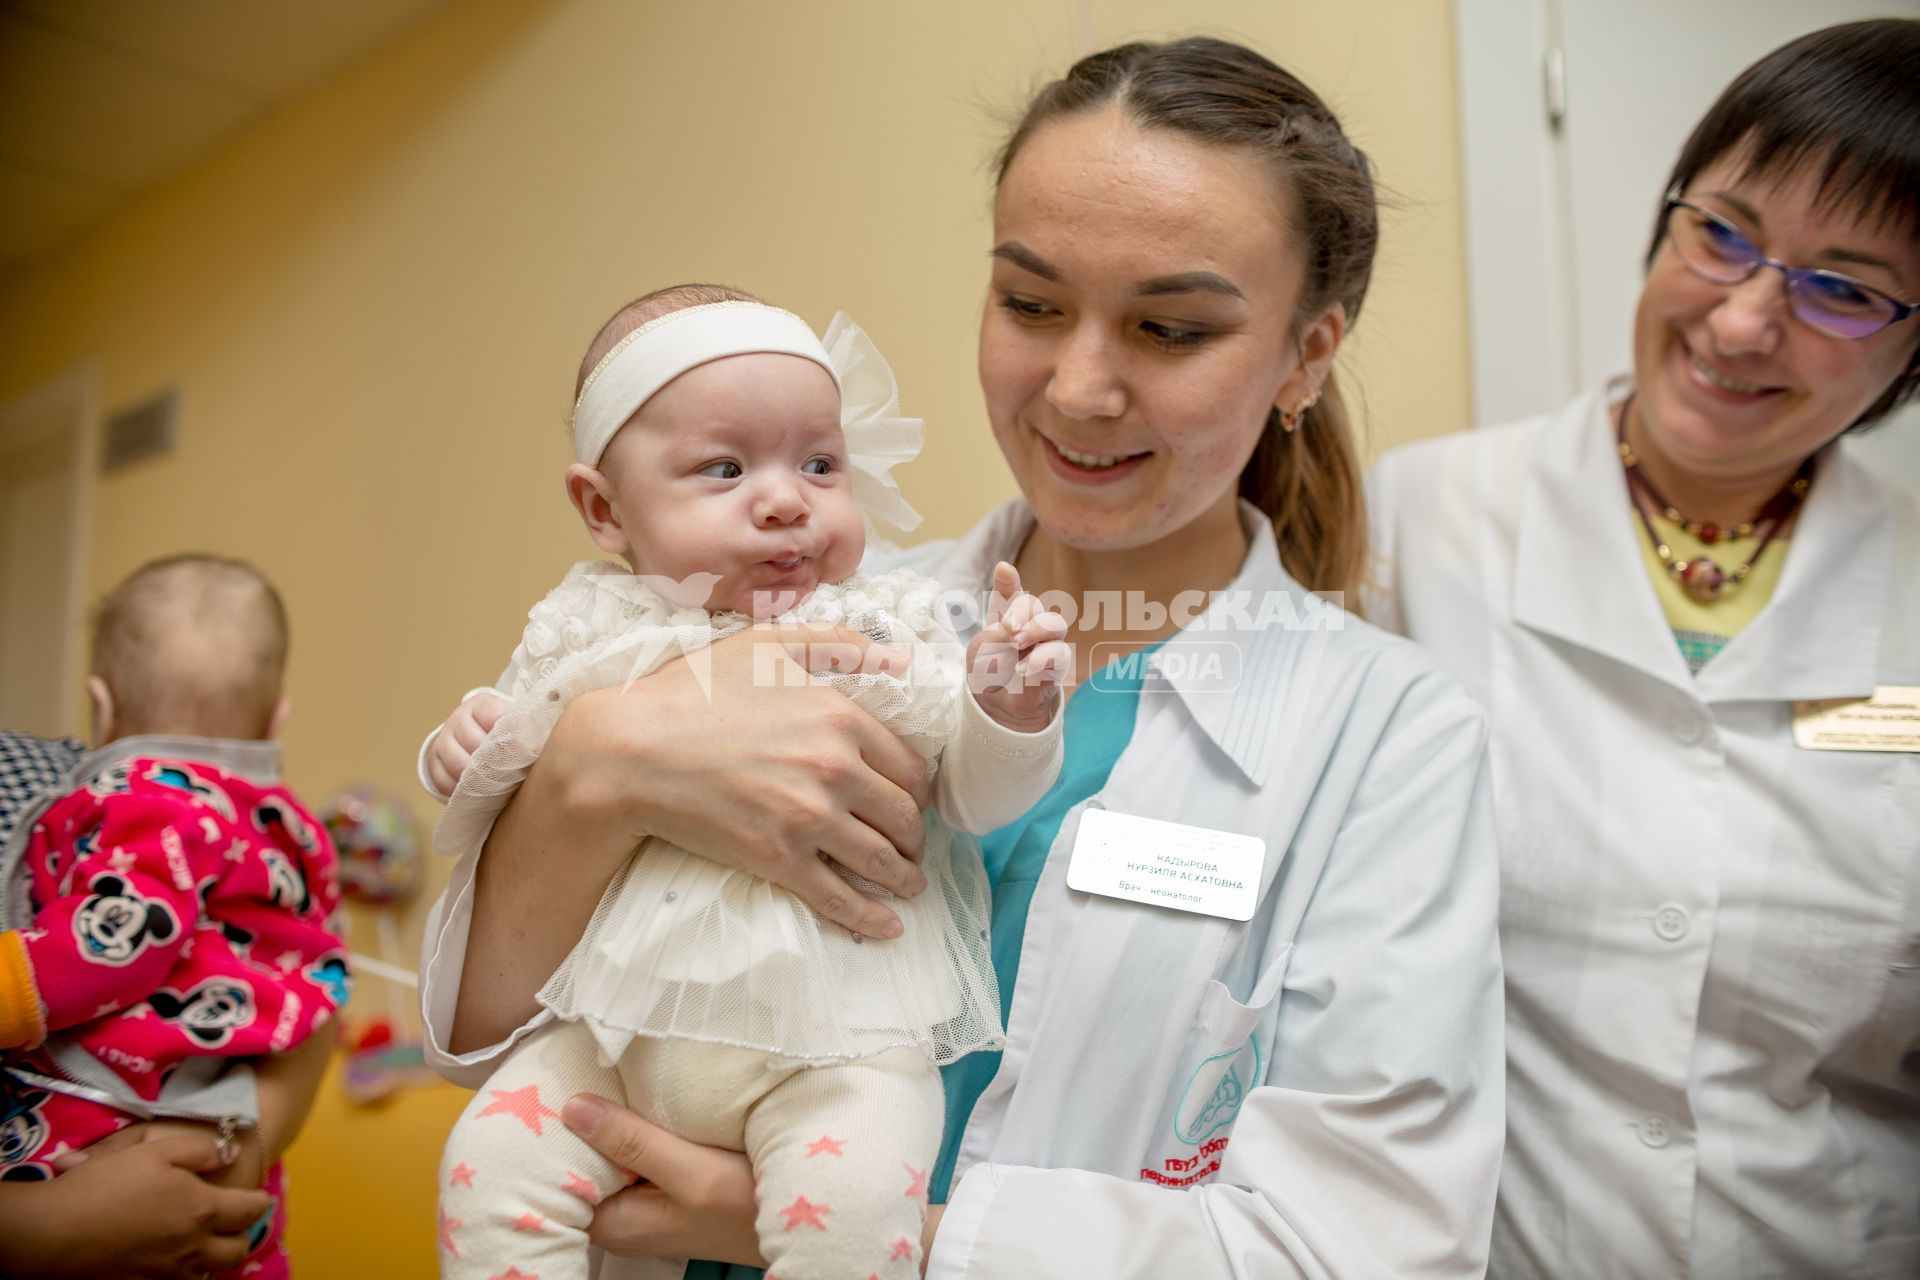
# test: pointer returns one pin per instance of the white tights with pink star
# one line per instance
(840, 1155)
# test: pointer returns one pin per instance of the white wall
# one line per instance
(1558, 218)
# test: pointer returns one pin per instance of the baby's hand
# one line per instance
(1018, 662)
(454, 745)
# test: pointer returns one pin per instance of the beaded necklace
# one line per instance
(1702, 578)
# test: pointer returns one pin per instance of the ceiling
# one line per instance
(100, 99)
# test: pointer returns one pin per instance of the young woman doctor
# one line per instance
(1182, 235)
(1711, 889)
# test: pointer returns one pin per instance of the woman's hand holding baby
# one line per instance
(831, 784)
(142, 1211)
(1019, 660)
(246, 1170)
(690, 1201)
(733, 753)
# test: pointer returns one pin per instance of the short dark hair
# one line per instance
(1843, 103)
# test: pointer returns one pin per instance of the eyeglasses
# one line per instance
(1839, 306)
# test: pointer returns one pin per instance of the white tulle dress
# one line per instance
(684, 947)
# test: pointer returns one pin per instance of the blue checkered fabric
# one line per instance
(28, 767)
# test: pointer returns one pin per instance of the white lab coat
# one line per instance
(1360, 1007)
(1712, 937)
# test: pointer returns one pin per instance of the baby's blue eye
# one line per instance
(725, 469)
(818, 466)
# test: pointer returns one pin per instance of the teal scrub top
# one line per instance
(1099, 723)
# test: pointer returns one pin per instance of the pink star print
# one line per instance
(804, 1211)
(531, 1222)
(918, 1187)
(825, 1146)
(513, 1273)
(446, 1235)
(462, 1175)
(579, 1186)
(902, 1248)
(523, 1104)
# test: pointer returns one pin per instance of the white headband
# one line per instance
(667, 346)
(656, 353)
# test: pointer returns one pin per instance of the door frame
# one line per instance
(71, 399)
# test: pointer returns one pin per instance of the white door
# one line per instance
(1559, 214)
(47, 458)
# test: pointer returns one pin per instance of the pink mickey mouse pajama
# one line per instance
(177, 912)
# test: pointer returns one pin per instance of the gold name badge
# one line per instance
(1888, 721)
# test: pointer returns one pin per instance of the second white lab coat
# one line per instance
(1316, 1092)
(1712, 936)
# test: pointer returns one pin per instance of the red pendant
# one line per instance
(1702, 579)
(1709, 533)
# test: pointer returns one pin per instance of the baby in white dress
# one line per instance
(726, 454)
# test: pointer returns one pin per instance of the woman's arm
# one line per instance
(732, 753)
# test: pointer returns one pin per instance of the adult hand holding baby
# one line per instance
(168, 1222)
(690, 1201)
(683, 755)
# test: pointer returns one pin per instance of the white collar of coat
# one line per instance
(1236, 704)
(1579, 572)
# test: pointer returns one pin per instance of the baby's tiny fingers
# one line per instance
(1048, 663)
(468, 732)
(487, 708)
(1043, 626)
(445, 765)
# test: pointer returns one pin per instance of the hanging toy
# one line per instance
(379, 859)
(378, 844)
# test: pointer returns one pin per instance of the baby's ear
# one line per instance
(101, 699)
(592, 496)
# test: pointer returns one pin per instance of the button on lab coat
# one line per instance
(1315, 1092)
(1712, 936)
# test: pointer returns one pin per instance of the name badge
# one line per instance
(1167, 864)
(1888, 721)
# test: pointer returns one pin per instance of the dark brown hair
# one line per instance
(192, 644)
(1308, 483)
(1843, 104)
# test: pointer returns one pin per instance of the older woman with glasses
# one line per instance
(1695, 619)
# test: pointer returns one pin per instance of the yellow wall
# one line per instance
(373, 302)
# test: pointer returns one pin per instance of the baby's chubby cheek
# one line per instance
(844, 560)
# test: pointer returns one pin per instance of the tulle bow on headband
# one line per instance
(878, 437)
